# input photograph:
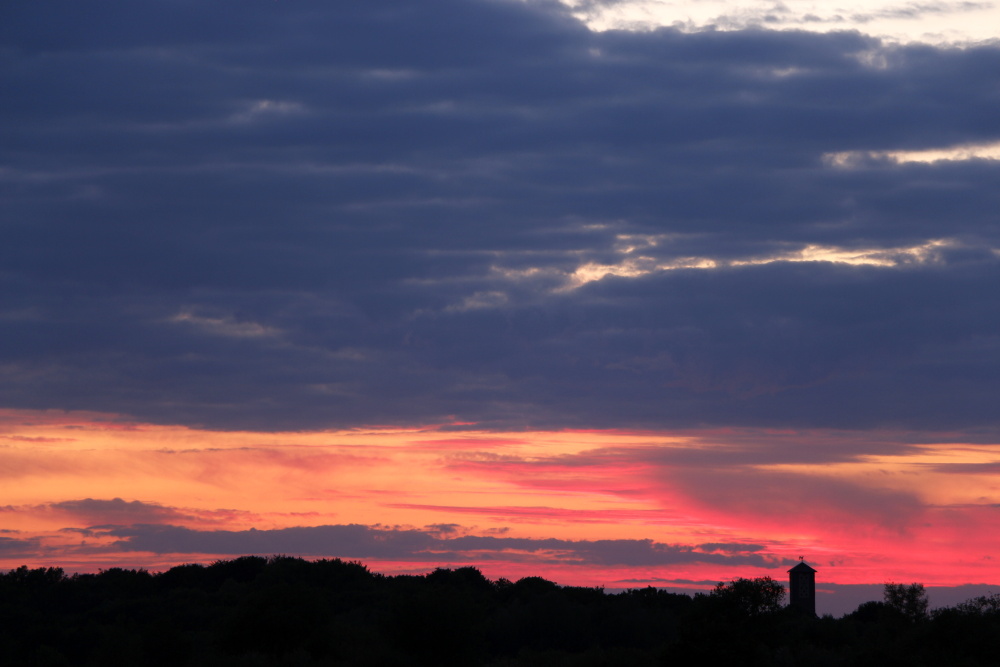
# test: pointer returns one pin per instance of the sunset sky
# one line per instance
(615, 293)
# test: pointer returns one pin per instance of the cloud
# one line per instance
(480, 211)
(731, 547)
(97, 513)
(557, 515)
(766, 484)
(873, 18)
(29, 439)
(116, 510)
(768, 498)
(407, 544)
(12, 547)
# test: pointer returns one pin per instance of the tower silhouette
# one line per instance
(802, 588)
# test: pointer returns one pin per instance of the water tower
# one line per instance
(802, 588)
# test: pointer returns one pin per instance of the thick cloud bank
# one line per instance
(356, 541)
(303, 215)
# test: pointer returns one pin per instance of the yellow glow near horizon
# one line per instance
(297, 478)
(868, 515)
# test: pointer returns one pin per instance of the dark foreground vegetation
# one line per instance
(287, 611)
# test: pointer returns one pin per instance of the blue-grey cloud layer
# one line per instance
(300, 215)
(409, 544)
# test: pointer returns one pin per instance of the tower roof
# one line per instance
(802, 567)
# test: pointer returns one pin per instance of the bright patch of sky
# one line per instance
(224, 326)
(931, 22)
(884, 257)
(849, 159)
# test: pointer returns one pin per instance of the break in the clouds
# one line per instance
(294, 215)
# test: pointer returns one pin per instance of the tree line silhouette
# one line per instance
(280, 610)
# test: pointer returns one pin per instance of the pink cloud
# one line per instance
(792, 499)
(554, 514)
(38, 439)
(464, 443)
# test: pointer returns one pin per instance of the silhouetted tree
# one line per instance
(534, 586)
(984, 605)
(750, 597)
(909, 600)
(464, 578)
(289, 611)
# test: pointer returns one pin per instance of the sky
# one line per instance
(614, 293)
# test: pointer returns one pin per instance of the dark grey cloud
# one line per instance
(13, 547)
(407, 544)
(118, 511)
(290, 216)
(348, 541)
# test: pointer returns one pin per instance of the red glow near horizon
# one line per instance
(611, 508)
